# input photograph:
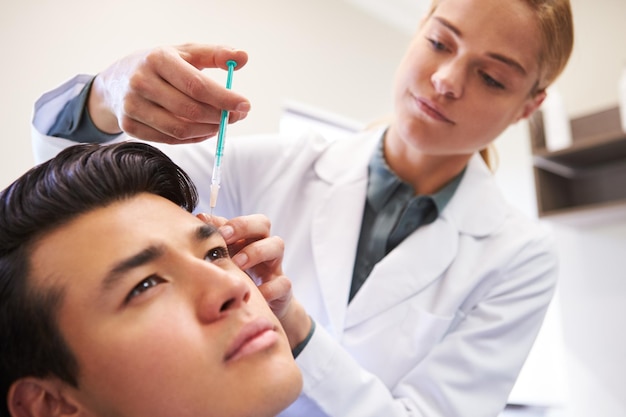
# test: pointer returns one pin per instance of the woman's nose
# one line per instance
(448, 80)
(220, 292)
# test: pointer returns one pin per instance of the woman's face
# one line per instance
(160, 319)
(468, 74)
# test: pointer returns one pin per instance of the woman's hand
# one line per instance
(260, 255)
(162, 95)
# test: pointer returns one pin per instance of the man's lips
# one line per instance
(431, 110)
(253, 337)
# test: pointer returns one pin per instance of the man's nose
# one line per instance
(219, 292)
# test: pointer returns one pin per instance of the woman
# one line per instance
(427, 288)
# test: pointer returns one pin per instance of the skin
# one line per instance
(184, 332)
(467, 75)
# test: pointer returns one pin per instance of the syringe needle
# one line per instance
(219, 149)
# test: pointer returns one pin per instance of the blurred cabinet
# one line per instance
(585, 182)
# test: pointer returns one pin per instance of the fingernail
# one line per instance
(240, 259)
(226, 231)
(243, 107)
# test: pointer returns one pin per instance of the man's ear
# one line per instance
(532, 104)
(36, 397)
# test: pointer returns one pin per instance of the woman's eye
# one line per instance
(491, 82)
(216, 253)
(436, 45)
(143, 286)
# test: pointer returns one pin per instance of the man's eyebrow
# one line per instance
(134, 261)
(205, 231)
(499, 57)
(148, 255)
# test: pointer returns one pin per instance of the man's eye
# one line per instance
(214, 254)
(143, 286)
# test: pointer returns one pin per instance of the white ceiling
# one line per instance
(404, 14)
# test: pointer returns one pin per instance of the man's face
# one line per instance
(161, 321)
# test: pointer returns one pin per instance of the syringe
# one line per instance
(219, 149)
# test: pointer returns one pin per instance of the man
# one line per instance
(116, 300)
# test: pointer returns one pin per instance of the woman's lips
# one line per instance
(253, 337)
(432, 111)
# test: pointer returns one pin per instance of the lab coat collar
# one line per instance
(347, 159)
(477, 207)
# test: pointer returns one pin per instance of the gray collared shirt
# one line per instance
(392, 212)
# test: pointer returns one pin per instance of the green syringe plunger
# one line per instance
(219, 148)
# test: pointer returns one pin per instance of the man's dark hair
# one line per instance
(79, 179)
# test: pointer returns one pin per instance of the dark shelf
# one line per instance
(589, 152)
(591, 214)
(589, 175)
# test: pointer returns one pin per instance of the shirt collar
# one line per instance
(383, 183)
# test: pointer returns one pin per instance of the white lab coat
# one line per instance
(444, 322)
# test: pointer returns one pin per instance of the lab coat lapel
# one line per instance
(405, 271)
(476, 209)
(335, 238)
(337, 221)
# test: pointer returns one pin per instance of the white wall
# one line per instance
(333, 56)
(590, 81)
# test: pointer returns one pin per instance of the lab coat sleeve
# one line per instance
(338, 385)
(46, 111)
(470, 372)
